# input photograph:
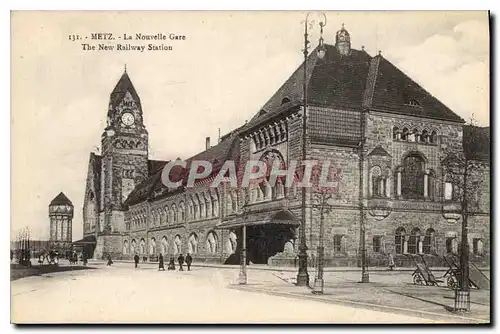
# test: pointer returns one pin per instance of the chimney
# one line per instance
(207, 143)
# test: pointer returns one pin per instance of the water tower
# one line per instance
(61, 223)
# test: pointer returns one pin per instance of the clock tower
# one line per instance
(124, 163)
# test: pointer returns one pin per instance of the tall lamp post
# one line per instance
(303, 275)
(365, 276)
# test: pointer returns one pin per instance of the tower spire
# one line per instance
(125, 68)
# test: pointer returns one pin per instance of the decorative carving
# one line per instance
(451, 212)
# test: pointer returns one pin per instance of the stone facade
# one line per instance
(382, 134)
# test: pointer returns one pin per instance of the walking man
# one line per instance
(189, 260)
(160, 263)
(136, 260)
(391, 262)
(109, 260)
(171, 264)
(180, 259)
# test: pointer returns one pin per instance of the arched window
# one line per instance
(133, 246)
(413, 137)
(477, 246)
(193, 243)
(404, 134)
(91, 195)
(413, 177)
(215, 206)
(152, 246)
(377, 182)
(177, 245)
(196, 207)
(395, 133)
(173, 210)
(425, 136)
(231, 243)
(433, 138)
(265, 190)
(449, 191)
(182, 211)
(234, 203)
(142, 246)
(280, 188)
(167, 214)
(153, 218)
(190, 209)
(429, 241)
(203, 211)
(399, 241)
(212, 242)
(431, 184)
(164, 245)
(125, 247)
(208, 205)
(413, 244)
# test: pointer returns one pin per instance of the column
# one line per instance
(388, 187)
(420, 248)
(405, 244)
(426, 185)
(399, 183)
(243, 265)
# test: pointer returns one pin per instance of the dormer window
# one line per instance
(433, 138)
(262, 112)
(412, 103)
(396, 133)
(404, 135)
(285, 100)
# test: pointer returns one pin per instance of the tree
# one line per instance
(324, 186)
(463, 173)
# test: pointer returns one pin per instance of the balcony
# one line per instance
(452, 211)
(379, 207)
(266, 205)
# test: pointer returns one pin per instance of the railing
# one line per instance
(281, 203)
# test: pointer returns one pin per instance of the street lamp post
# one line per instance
(303, 275)
(365, 276)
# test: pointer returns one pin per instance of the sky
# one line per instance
(225, 70)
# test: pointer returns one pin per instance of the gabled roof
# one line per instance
(396, 92)
(354, 82)
(476, 142)
(155, 165)
(61, 199)
(379, 150)
(123, 86)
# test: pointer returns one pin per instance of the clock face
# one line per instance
(128, 119)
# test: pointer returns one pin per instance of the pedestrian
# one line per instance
(189, 260)
(109, 260)
(180, 259)
(160, 263)
(84, 259)
(171, 264)
(136, 260)
(11, 255)
(391, 262)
